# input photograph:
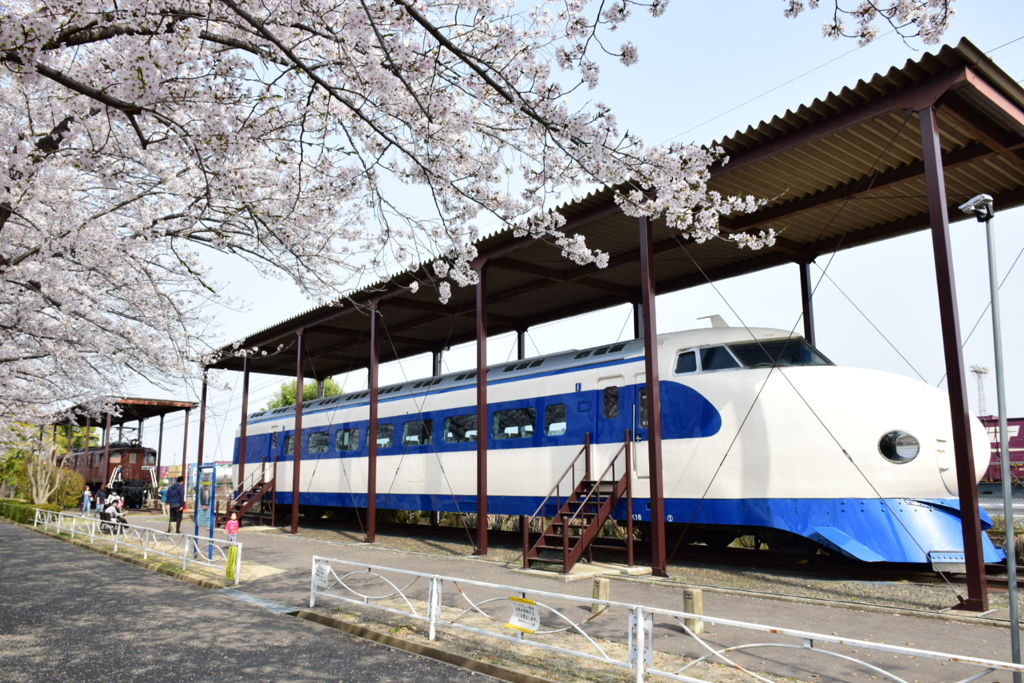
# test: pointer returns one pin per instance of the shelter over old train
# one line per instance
(909, 145)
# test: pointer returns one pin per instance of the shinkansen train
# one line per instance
(761, 434)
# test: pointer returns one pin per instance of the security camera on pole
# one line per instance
(981, 208)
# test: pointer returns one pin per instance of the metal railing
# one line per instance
(620, 635)
(208, 552)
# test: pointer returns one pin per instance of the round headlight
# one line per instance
(899, 447)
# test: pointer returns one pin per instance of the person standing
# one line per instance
(175, 501)
(163, 498)
(231, 528)
(86, 500)
(101, 499)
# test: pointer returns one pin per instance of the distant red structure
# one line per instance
(1015, 434)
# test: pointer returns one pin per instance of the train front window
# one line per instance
(717, 358)
(686, 362)
(782, 352)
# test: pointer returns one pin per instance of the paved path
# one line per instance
(67, 613)
(291, 557)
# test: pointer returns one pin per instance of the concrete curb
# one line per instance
(460, 661)
(953, 617)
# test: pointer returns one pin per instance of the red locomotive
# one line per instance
(127, 468)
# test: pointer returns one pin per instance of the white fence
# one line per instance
(618, 634)
(209, 552)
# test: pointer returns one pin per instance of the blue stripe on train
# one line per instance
(871, 530)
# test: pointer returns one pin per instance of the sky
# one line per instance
(706, 71)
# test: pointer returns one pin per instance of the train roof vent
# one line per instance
(281, 410)
(581, 354)
(601, 351)
(391, 390)
(259, 414)
(616, 348)
(465, 376)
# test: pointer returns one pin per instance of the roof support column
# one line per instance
(521, 344)
(482, 429)
(160, 447)
(638, 320)
(650, 335)
(106, 439)
(806, 299)
(184, 448)
(244, 430)
(977, 595)
(435, 515)
(371, 429)
(202, 420)
(436, 363)
(300, 381)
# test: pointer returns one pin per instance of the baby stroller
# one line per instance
(111, 516)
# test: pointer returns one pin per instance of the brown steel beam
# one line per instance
(1005, 145)
(911, 98)
(300, 380)
(244, 429)
(160, 447)
(371, 427)
(482, 425)
(977, 600)
(650, 327)
(563, 276)
(847, 191)
(202, 420)
(446, 311)
(806, 301)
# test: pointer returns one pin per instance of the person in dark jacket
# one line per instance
(101, 499)
(175, 501)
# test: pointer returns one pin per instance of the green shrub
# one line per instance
(69, 495)
(22, 512)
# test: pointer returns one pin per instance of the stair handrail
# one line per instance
(255, 475)
(571, 468)
(599, 479)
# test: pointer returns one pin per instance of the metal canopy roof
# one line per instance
(135, 409)
(840, 172)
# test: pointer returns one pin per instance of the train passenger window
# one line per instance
(686, 362)
(717, 358)
(273, 440)
(318, 442)
(385, 435)
(554, 420)
(289, 444)
(611, 402)
(513, 424)
(131, 458)
(460, 428)
(150, 459)
(417, 432)
(643, 407)
(347, 439)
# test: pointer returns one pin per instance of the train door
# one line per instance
(612, 418)
(638, 415)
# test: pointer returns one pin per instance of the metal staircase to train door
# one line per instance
(577, 518)
(253, 500)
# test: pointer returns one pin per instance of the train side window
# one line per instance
(516, 423)
(115, 458)
(460, 428)
(554, 420)
(318, 442)
(131, 458)
(150, 459)
(273, 440)
(289, 444)
(417, 432)
(347, 439)
(686, 362)
(385, 435)
(611, 402)
(717, 358)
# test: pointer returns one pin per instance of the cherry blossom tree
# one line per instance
(325, 141)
